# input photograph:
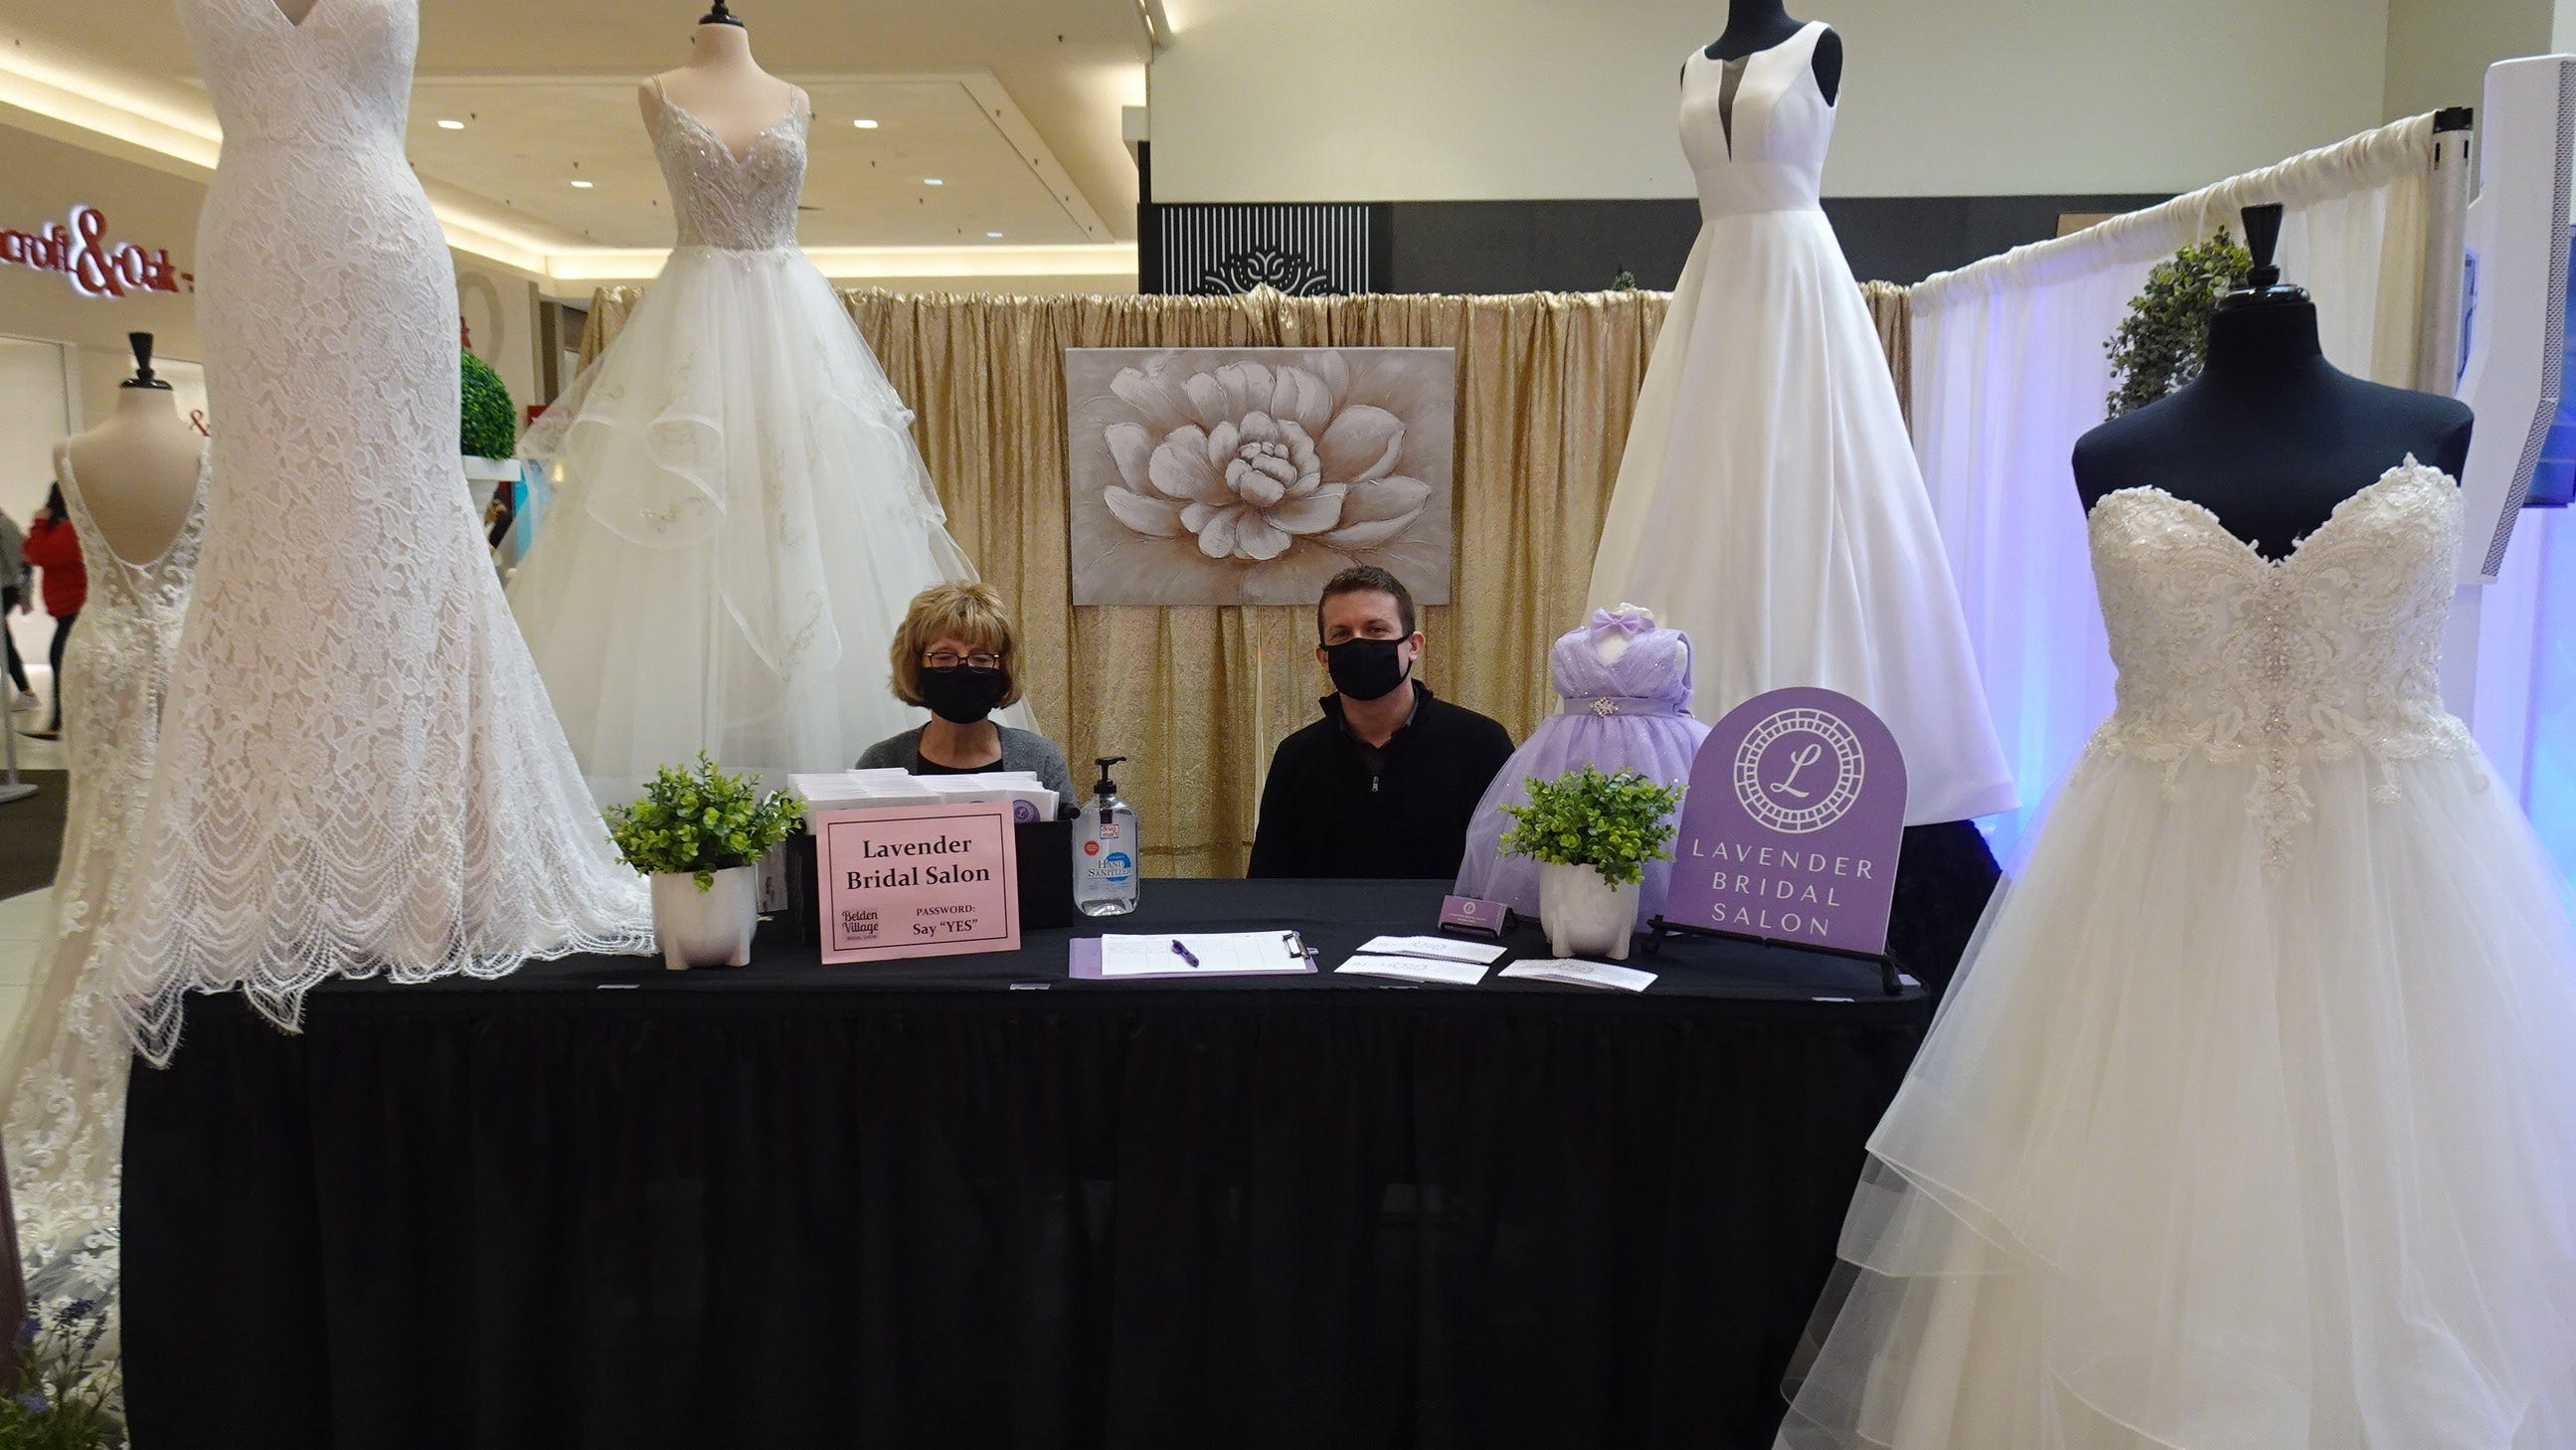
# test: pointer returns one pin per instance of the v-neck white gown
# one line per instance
(1769, 504)
(743, 518)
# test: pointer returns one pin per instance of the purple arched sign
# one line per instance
(1791, 828)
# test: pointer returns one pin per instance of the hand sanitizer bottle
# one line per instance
(1104, 849)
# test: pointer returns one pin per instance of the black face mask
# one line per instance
(1366, 669)
(963, 694)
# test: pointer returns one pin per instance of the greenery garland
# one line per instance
(2163, 342)
(491, 420)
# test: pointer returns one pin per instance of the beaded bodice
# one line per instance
(739, 202)
(2330, 653)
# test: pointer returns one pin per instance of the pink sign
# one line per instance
(917, 881)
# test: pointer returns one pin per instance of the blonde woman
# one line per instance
(953, 656)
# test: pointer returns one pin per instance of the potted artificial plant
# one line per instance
(700, 834)
(1592, 835)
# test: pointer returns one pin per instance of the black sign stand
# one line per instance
(1657, 928)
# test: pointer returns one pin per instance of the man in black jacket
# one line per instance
(1384, 785)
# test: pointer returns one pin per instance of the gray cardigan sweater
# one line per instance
(1021, 750)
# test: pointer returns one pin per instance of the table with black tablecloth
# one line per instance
(968, 1202)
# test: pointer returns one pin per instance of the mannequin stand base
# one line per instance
(1890, 980)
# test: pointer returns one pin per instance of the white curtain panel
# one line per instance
(2010, 369)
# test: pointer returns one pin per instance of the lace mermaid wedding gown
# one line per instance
(743, 518)
(1768, 504)
(359, 773)
(64, 1067)
(2251, 1122)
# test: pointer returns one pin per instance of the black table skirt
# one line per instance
(970, 1203)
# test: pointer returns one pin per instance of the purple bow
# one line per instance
(1624, 621)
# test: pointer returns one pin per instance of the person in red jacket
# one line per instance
(55, 549)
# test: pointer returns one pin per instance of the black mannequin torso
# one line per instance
(2270, 437)
(1758, 25)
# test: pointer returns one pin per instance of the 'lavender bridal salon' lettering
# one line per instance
(917, 881)
(1792, 825)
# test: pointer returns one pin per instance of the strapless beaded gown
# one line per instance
(1632, 713)
(743, 517)
(2250, 1123)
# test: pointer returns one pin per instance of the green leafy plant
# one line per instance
(1614, 824)
(65, 1394)
(1626, 281)
(701, 821)
(2164, 340)
(491, 427)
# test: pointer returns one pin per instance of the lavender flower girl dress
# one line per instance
(1631, 712)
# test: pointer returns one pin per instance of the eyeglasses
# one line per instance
(940, 659)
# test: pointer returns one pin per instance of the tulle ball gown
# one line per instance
(1768, 504)
(2251, 1122)
(743, 517)
(358, 772)
(1627, 689)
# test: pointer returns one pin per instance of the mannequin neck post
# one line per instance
(720, 46)
(2273, 339)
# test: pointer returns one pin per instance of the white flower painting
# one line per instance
(1253, 475)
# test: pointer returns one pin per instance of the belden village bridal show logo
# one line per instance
(92, 265)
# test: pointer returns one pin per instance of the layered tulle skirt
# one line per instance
(742, 518)
(2211, 1152)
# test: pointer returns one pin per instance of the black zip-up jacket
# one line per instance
(1332, 806)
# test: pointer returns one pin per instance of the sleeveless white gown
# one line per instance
(1769, 504)
(63, 1069)
(359, 773)
(743, 517)
(2251, 1122)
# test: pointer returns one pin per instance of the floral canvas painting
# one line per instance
(1253, 475)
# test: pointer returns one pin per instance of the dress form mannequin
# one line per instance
(136, 472)
(1757, 25)
(722, 86)
(2270, 437)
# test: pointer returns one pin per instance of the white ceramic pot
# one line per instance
(1585, 915)
(489, 470)
(710, 928)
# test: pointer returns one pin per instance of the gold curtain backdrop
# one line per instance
(1198, 698)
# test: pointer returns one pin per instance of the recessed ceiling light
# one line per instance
(997, 236)
(932, 181)
(864, 124)
(447, 125)
(584, 185)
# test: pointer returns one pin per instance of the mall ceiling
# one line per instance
(1013, 106)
